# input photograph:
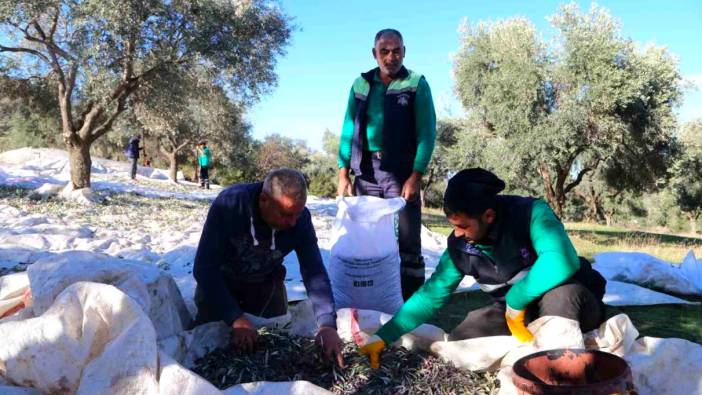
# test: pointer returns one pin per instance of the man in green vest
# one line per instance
(386, 142)
(518, 252)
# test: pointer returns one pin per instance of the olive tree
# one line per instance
(687, 174)
(559, 111)
(100, 53)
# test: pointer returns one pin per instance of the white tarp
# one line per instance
(12, 292)
(154, 290)
(276, 388)
(627, 294)
(28, 237)
(649, 271)
(94, 339)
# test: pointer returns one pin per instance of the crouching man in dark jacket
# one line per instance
(518, 252)
(239, 268)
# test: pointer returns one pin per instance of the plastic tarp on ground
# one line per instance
(151, 288)
(95, 338)
(100, 328)
(658, 365)
(649, 271)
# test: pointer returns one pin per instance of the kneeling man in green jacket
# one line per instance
(518, 252)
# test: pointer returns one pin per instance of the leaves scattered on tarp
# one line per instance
(283, 357)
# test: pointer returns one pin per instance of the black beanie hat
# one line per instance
(471, 192)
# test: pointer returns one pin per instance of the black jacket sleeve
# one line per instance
(208, 259)
(314, 274)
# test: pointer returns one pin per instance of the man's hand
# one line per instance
(344, 186)
(244, 334)
(515, 323)
(329, 341)
(372, 348)
(410, 189)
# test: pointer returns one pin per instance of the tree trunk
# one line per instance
(79, 158)
(173, 167)
(557, 203)
(550, 194)
(693, 222)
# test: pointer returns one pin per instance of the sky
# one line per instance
(333, 40)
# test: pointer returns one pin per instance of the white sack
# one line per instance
(364, 267)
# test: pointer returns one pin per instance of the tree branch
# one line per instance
(186, 142)
(26, 50)
(163, 151)
(49, 43)
(580, 176)
(54, 23)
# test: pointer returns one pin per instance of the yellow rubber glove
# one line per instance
(515, 323)
(372, 348)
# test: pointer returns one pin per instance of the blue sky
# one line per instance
(334, 39)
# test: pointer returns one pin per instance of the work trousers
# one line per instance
(204, 177)
(133, 171)
(573, 301)
(266, 298)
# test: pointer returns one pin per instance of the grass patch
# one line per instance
(681, 321)
(590, 239)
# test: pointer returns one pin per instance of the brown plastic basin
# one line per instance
(572, 371)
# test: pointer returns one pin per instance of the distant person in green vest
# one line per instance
(204, 158)
(518, 252)
(387, 141)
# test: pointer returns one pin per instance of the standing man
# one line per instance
(132, 152)
(239, 268)
(387, 141)
(203, 159)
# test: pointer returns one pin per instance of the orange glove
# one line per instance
(373, 347)
(515, 323)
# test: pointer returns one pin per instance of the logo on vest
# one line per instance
(524, 252)
(403, 99)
